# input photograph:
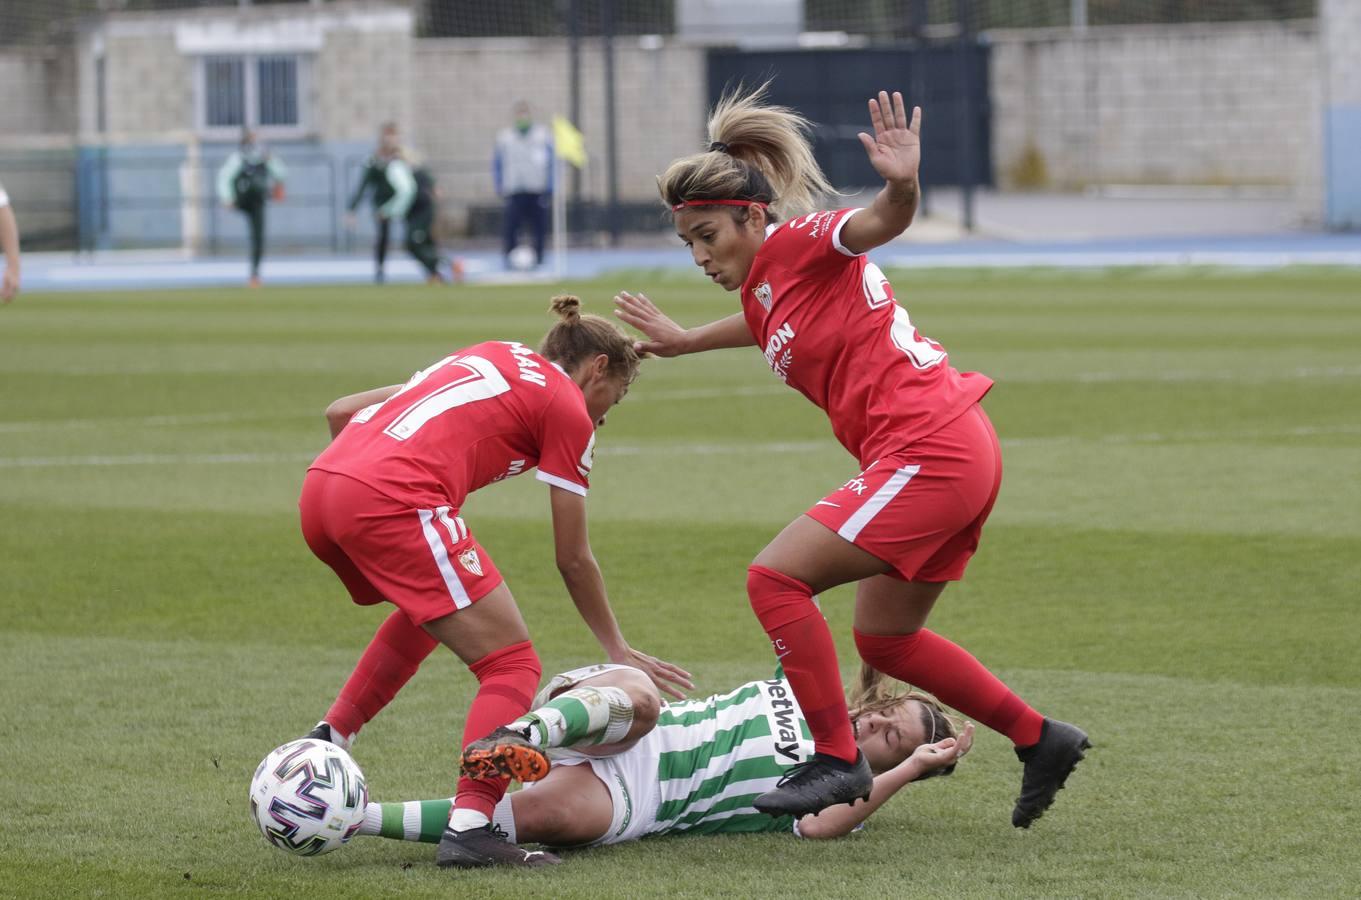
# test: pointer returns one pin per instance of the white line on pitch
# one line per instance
(165, 421)
(675, 449)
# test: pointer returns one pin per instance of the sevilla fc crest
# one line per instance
(763, 294)
(468, 560)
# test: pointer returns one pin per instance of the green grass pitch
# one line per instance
(1174, 563)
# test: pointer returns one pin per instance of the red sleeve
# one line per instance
(566, 443)
(813, 242)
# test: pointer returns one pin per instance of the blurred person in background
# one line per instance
(9, 245)
(247, 181)
(523, 172)
(400, 190)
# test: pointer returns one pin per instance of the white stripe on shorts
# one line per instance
(862, 516)
(446, 568)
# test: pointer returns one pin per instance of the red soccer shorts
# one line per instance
(922, 509)
(425, 561)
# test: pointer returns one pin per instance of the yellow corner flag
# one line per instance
(568, 142)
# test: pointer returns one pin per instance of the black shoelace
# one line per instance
(799, 773)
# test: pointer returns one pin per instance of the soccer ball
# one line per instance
(522, 259)
(308, 797)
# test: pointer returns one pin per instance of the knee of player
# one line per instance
(645, 698)
(647, 706)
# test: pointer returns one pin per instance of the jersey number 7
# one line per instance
(482, 381)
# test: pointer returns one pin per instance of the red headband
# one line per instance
(684, 203)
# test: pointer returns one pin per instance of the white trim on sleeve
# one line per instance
(560, 482)
(836, 233)
(4, 198)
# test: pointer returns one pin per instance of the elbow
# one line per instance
(338, 415)
(813, 829)
(572, 566)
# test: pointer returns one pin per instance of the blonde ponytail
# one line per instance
(758, 153)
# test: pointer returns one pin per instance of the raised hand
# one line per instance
(895, 150)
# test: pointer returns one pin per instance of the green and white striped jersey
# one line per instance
(717, 755)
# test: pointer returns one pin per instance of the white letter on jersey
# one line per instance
(528, 367)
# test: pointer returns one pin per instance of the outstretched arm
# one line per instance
(895, 153)
(666, 338)
(841, 819)
(586, 585)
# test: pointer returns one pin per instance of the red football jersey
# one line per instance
(831, 329)
(485, 413)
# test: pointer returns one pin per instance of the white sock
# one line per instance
(467, 820)
(373, 820)
(337, 738)
(504, 817)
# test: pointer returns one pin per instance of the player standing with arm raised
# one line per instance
(909, 521)
(381, 504)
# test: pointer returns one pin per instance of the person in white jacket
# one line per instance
(523, 173)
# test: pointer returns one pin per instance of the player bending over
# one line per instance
(625, 766)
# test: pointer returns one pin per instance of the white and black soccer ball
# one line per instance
(522, 258)
(308, 797)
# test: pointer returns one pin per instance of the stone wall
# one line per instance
(464, 89)
(1188, 104)
(38, 87)
(148, 84)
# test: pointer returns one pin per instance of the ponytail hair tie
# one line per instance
(718, 146)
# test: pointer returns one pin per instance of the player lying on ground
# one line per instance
(625, 766)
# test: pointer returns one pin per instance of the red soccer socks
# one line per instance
(392, 657)
(926, 660)
(507, 680)
(803, 645)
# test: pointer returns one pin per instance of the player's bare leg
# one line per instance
(569, 808)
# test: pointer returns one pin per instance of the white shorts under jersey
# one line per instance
(700, 769)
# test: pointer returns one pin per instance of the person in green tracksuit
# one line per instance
(399, 191)
(246, 182)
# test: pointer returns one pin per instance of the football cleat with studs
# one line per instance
(505, 753)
